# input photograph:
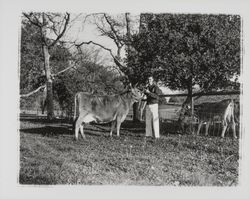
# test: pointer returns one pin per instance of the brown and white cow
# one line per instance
(222, 111)
(103, 109)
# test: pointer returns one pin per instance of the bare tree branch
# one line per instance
(67, 18)
(116, 60)
(62, 71)
(33, 92)
(116, 37)
(91, 42)
(43, 86)
(72, 21)
(92, 14)
(36, 23)
(53, 24)
(107, 33)
(29, 17)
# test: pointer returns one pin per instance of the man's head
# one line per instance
(150, 79)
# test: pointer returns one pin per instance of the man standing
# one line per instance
(152, 116)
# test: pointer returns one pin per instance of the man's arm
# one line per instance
(154, 94)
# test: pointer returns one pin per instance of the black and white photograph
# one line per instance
(136, 99)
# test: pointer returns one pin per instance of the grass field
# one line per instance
(50, 155)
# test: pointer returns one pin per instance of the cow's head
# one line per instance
(137, 94)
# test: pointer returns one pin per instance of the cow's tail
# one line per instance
(76, 111)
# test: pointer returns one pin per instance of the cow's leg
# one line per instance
(233, 128)
(119, 120)
(181, 126)
(224, 128)
(141, 113)
(223, 131)
(81, 130)
(207, 127)
(118, 125)
(78, 125)
(199, 127)
(112, 127)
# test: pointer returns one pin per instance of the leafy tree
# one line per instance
(32, 74)
(51, 28)
(31, 62)
(88, 77)
(186, 50)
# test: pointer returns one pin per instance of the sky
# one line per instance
(85, 30)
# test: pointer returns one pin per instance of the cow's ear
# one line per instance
(130, 86)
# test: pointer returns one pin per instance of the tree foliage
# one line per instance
(186, 50)
(51, 28)
(31, 62)
(32, 74)
(88, 77)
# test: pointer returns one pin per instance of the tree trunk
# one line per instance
(191, 102)
(136, 115)
(128, 24)
(43, 100)
(49, 84)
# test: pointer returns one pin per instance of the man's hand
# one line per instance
(146, 91)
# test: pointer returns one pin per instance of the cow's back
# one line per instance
(213, 107)
(206, 111)
(103, 108)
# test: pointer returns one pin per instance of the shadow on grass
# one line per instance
(49, 130)
(61, 127)
(43, 120)
(40, 180)
(65, 127)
